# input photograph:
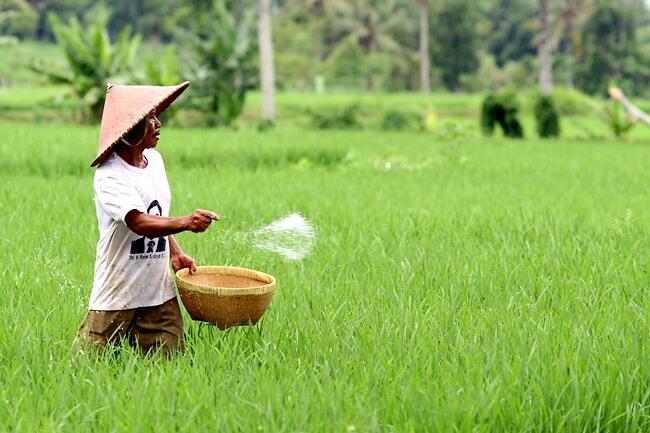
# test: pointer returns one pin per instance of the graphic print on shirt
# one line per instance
(148, 247)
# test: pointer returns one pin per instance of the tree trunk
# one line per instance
(570, 54)
(544, 51)
(568, 72)
(266, 61)
(633, 111)
(425, 65)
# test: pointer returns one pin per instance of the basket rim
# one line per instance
(184, 284)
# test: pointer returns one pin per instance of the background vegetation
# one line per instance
(372, 44)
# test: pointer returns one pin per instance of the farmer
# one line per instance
(133, 295)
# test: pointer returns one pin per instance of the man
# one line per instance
(133, 296)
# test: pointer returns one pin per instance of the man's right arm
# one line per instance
(153, 226)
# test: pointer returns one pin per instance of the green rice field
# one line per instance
(458, 284)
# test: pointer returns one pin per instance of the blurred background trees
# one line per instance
(610, 52)
(267, 70)
(455, 41)
(18, 19)
(219, 59)
(377, 44)
(91, 59)
(363, 45)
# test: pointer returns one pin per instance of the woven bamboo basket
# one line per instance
(225, 295)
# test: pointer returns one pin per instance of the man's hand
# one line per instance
(182, 261)
(200, 220)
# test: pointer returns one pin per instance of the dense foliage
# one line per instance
(346, 117)
(372, 44)
(547, 118)
(503, 110)
(17, 18)
(396, 120)
(219, 59)
(610, 53)
(455, 42)
(617, 120)
(92, 60)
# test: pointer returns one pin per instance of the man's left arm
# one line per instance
(178, 258)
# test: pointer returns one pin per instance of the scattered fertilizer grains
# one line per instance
(291, 237)
(507, 293)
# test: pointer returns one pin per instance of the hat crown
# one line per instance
(126, 105)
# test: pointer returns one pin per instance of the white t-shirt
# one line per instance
(131, 271)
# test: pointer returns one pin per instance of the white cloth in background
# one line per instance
(131, 271)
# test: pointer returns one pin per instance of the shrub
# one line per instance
(616, 119)
(571, 102)
(265, 125)
(395, 120)
(430, 121)
(501, 109)
(454, 134)
(347, 118)
(548, 121)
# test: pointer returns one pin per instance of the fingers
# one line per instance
(209, 214)
(205, 219)
(201, 220)
(184, 261)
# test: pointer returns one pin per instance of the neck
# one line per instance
(132, 156)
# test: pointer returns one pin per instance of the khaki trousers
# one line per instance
(148, 328)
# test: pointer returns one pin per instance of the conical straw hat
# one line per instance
(126, 106)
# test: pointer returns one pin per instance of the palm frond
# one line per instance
(55, 77)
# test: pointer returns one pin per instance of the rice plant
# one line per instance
(507, 293)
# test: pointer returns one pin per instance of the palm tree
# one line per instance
(569, 22)
(92, 60)
(544, 51)
(425, 82)
(574, 14)
(220, 62)
(370, 24)
(267, 73)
